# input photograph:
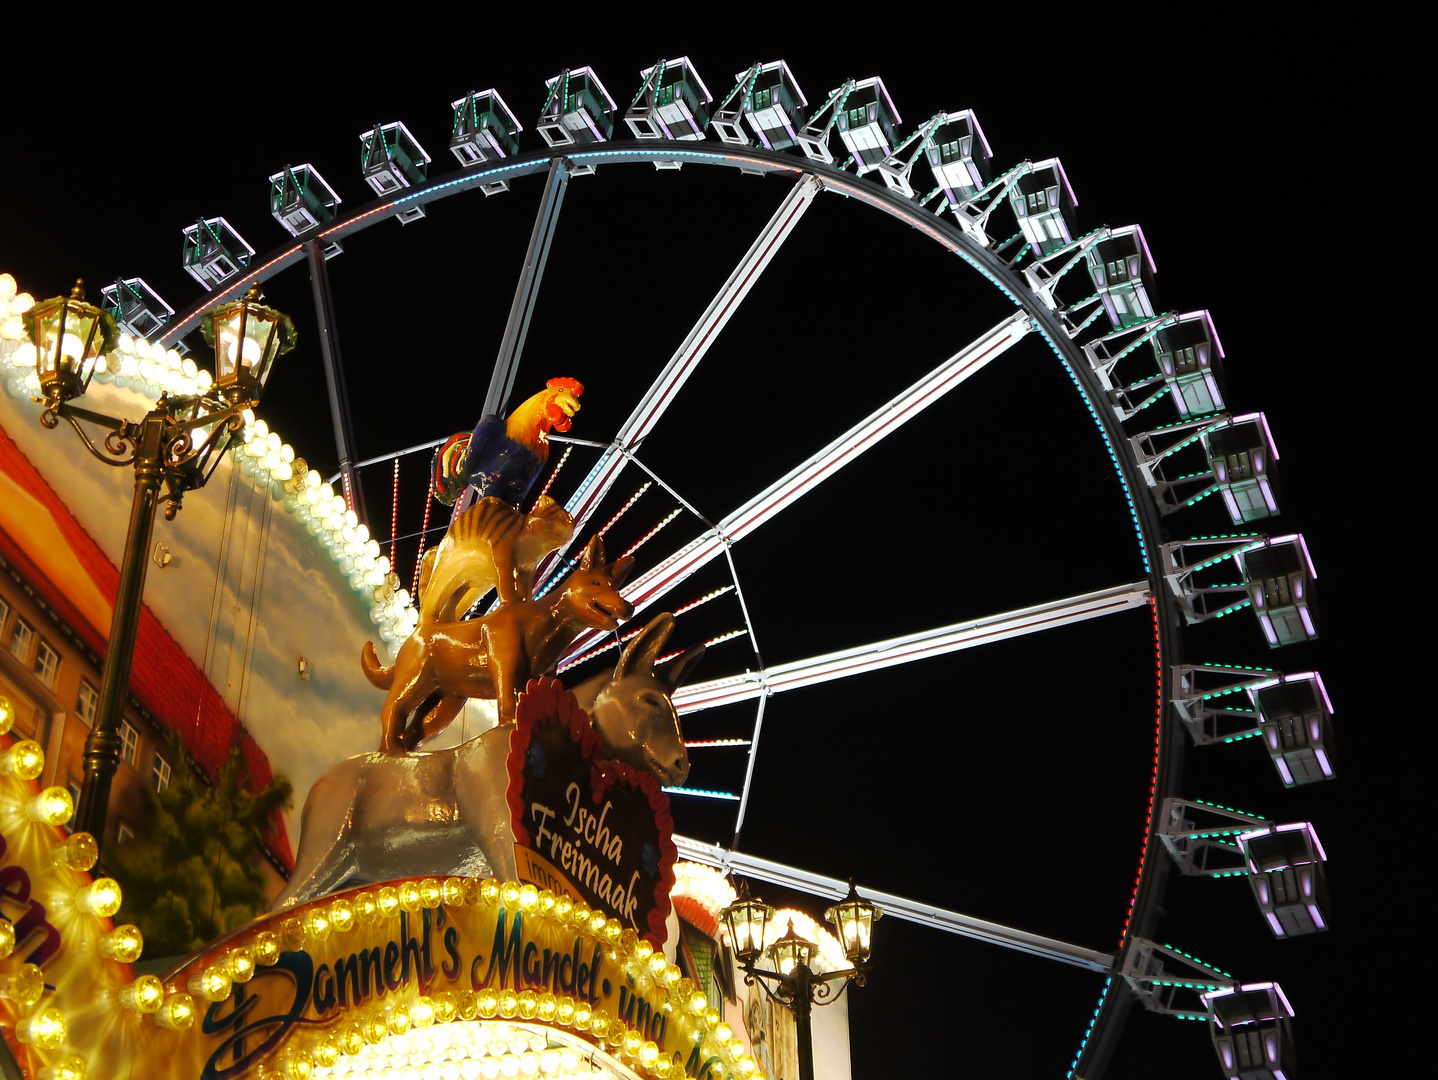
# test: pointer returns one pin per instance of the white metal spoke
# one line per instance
(863, 436)
(686, 358)
(903, 650)
(898, 906)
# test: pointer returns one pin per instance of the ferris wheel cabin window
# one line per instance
(47, 663)
(129, 744)
(21, 637)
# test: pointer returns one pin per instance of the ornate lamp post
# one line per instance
(178, 443)
(795, 983)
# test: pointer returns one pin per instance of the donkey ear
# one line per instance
(638, 656)
(593, 553)
(619, 569)
(677, 670)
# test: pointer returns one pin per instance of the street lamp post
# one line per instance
(178, 444)
(795, 983)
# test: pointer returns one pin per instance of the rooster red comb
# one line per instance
(574, 386)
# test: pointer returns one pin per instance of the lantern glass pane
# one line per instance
(227, 350)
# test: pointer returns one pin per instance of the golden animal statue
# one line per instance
(493, 656)
(489, 546)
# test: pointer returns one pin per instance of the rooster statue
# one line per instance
(504, 456)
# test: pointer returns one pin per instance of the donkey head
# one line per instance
(633, 711)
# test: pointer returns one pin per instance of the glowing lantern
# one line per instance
(69, 336)
(853, 920)
(246, 336)
(745, 919)
(791, 950)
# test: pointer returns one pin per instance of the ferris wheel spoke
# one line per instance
(904, 650)
(506, 365)
(899, 907)
(666, 387)
(823, 465)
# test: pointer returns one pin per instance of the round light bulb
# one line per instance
(71, 1067)
(45, 1029)
(53, 806)
(25, 759)
(124, 943)
(177, 1013)
(100, 897)
(409, 896)
(240, 964)
(212, 984)
(24, 985)
(398, 1020)
(317, 924)
(452, 892)
(296, 1064)
(7, 715)
(388, 901)
(145, 995)
(266, 948)
(342, 915)
(79, 852)
(366, 910)
(430, 893)
(7, 938)
(421, 1012)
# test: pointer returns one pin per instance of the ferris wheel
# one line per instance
(1150, 380)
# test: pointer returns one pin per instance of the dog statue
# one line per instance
(376, 816)
(492, 656)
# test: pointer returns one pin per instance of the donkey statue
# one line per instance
(379, 816)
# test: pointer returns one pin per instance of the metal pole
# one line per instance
(803, 1006)
(102, 747)
(335, 377)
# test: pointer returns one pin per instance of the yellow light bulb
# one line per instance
(296, 1064)
(597, 919)
(25, 759)
(489, 890)
(292, 935)
(546, 1007)
(266, 948)
(366, 910)
(746, 1067)
(398, 1020)
(446, 1006)
(240, 964)
(388, 901)
(409, 896)
(509, 893)
(612, 931)
(546, 903)
(629, 942)
(528, 897)
(723, 1034)
(698, 1003)
(375, 1029)
(351, 1038)
(53, 806)
(488, 1004)
(430, 893)
(711, 1016)
(508, 1004)
(79, 852)
(7, 938)
(144, 995)
(648, 1054)
(100, 897)
(657, 963)
(24, 985)
(599, 1023)
(421, 1012)
(67, 1068)
(672, 975)
(124, 943)
(564, 1011)
(527, 1004)
(212, 984)
(7, 715)
(452, 892)
(45, 1029)
(342, 916)
(327, 1051)
(468, 1005)
(631, 1042)
(583, 1014)
(317, 924)
(563, 905)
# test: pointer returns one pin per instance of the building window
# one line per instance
(74, 786)
(129, 744)
(47, 663)
(124, 834)
(87, 702)
(160, 774)
(21, 635)
(4, 613)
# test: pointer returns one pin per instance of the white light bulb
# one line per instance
(327, 491)
(262, 430)
(351, 518)
(127, 343)
(204, 380)
(188, 367)
(274, 441)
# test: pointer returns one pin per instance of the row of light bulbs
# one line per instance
(150, 368)
(46, 1027)
(465, 1050)
(691, 1016)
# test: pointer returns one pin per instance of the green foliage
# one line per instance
(191, 875)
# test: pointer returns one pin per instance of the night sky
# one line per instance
(1008, 782)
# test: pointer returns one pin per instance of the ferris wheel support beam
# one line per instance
(864, 435)
(898, 906)
(527, 291)
(904, 650)
(686, 358)
(335, 377)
